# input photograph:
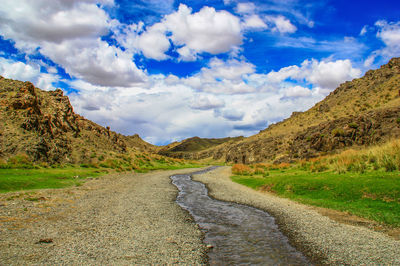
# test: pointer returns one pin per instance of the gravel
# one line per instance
(120, 219)
(324, 240)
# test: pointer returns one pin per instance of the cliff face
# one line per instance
(361, 112)
(43, 125)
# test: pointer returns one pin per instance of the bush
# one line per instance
(337, 132)
(353, 125)
(389, 164)
(110, 163)
(20, 161)
(259, 171)
(241, 169)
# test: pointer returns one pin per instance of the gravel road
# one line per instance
(319, 237)
(119, 219)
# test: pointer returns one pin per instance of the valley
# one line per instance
(334, 167)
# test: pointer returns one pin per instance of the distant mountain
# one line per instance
(43, 125)
(195, 144)
(361, 112)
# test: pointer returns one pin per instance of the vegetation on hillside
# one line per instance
(365, 183)
(195, 144)
(21, 173)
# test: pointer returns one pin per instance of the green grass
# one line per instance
(374, 195)
(25, 179)
(144, 168)
(34, 177)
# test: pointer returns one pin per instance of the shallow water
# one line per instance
(239, 234)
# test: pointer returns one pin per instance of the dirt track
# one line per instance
(117, 219)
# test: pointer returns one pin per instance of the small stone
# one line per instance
(209, 246)
(45, 240)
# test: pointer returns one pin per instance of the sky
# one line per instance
(169, 70)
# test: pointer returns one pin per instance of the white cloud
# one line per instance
(254, 22)
(389, 34)
(325, 74)
(27, 72)
(31, 22)
(226, 98)
(245, 8)
(331, 74)
(206, 102)
(363, 30)
(297, 91)
(282, 24)
(233, 114)
(222, 77)
(153, 43)
(187, 54)
(207, 31)
(68, 32)
(95, 61)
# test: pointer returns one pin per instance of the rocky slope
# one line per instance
(43, 125)
(361, 112)
(195, 144)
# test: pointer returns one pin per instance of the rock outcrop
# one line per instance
(43, 125)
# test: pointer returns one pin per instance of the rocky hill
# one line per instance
(361, 112)
(43, 125)
(195, 144)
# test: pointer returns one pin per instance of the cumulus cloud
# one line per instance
(207, 31)
(325, 74)
(68, 32)
(27, 72)
(254, 22)
(206, 102)
(209, 100)
(297, 91)
(233, 114)
(153, 43)
(33, 22)
(245, 8)
(389, 34)
(222, 77)
(281, 24)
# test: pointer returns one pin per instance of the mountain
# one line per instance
(362, 112)
(195, 144)
(43, 125)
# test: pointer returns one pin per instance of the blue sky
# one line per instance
(170, 70)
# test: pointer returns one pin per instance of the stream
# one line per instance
(239, 234)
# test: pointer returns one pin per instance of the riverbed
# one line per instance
(235, 233)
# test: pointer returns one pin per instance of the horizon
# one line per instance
(172, 70)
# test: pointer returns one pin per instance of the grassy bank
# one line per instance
(19, 173)
(365, 183)
(24, 179)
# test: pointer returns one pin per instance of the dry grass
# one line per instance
(379, 157)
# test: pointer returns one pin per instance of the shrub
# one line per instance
(241, 169)
(337, 132)
(110, 163)
(389, 164)
(353, 125)
(259, 171)
(20, 161)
